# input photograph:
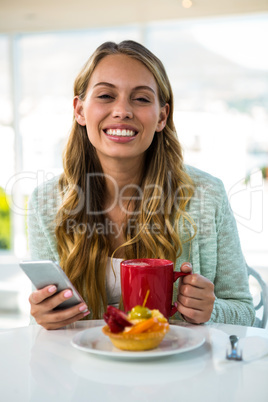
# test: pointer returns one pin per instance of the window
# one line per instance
(218, 69)
(6, 144)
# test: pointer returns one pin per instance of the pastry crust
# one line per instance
(136, 342)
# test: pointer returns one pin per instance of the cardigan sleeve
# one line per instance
(233, 302)
(215, 251)
(42, 208)
(41, 227)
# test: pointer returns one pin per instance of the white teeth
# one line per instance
(121, 133)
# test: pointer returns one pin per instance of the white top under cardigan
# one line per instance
(113, 282)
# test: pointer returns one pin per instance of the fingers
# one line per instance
(191, 283)
(196, 298)
(43, 303)
(48, 298)
(39, 295)
(60, 318)
(199, 304)
(186, 267)
(192, 316)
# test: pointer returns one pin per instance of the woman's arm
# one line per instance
(42, 210)
(40, 242)
(218, 291)
(233, 302)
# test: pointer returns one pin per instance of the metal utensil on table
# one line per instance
(235, 353)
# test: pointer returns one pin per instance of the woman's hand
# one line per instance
(44, 301)
(196, 297)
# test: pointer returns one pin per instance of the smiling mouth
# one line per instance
(120, 133)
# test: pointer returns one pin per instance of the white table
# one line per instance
(40, 365)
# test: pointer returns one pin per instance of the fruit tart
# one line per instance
(140, 329)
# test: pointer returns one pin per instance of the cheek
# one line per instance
(152, 118)
(152, 124)
(93, 112)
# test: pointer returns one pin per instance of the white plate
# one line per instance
(177, 340)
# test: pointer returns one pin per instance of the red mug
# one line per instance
(156, 275)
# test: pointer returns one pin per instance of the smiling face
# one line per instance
(121, 109)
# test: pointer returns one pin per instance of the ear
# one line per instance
(164, 112)
(79, 111)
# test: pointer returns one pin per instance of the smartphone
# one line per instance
(45, 272)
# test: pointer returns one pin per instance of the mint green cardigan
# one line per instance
(214, 252)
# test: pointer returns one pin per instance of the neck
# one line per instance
(123, 177)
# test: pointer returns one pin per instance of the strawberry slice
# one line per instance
(106, 317)
(114, 326)
(119, 316)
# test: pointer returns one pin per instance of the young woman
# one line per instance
(125, 193)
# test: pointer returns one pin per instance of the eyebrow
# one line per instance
(108, 84)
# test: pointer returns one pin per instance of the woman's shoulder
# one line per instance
(208, 189)
(201, 178)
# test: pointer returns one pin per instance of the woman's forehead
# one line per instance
(122, 68)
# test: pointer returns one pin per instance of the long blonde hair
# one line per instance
(165, 186)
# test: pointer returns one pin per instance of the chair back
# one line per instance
(260, 301)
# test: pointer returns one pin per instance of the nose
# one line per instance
(122, 110)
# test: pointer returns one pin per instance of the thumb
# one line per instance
(186, 267)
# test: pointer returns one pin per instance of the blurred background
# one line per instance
(215, 53)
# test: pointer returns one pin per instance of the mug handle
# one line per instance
(177, 275)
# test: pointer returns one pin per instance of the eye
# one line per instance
(105, 96)
(142, 99)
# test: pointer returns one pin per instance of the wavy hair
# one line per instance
(165, 186)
